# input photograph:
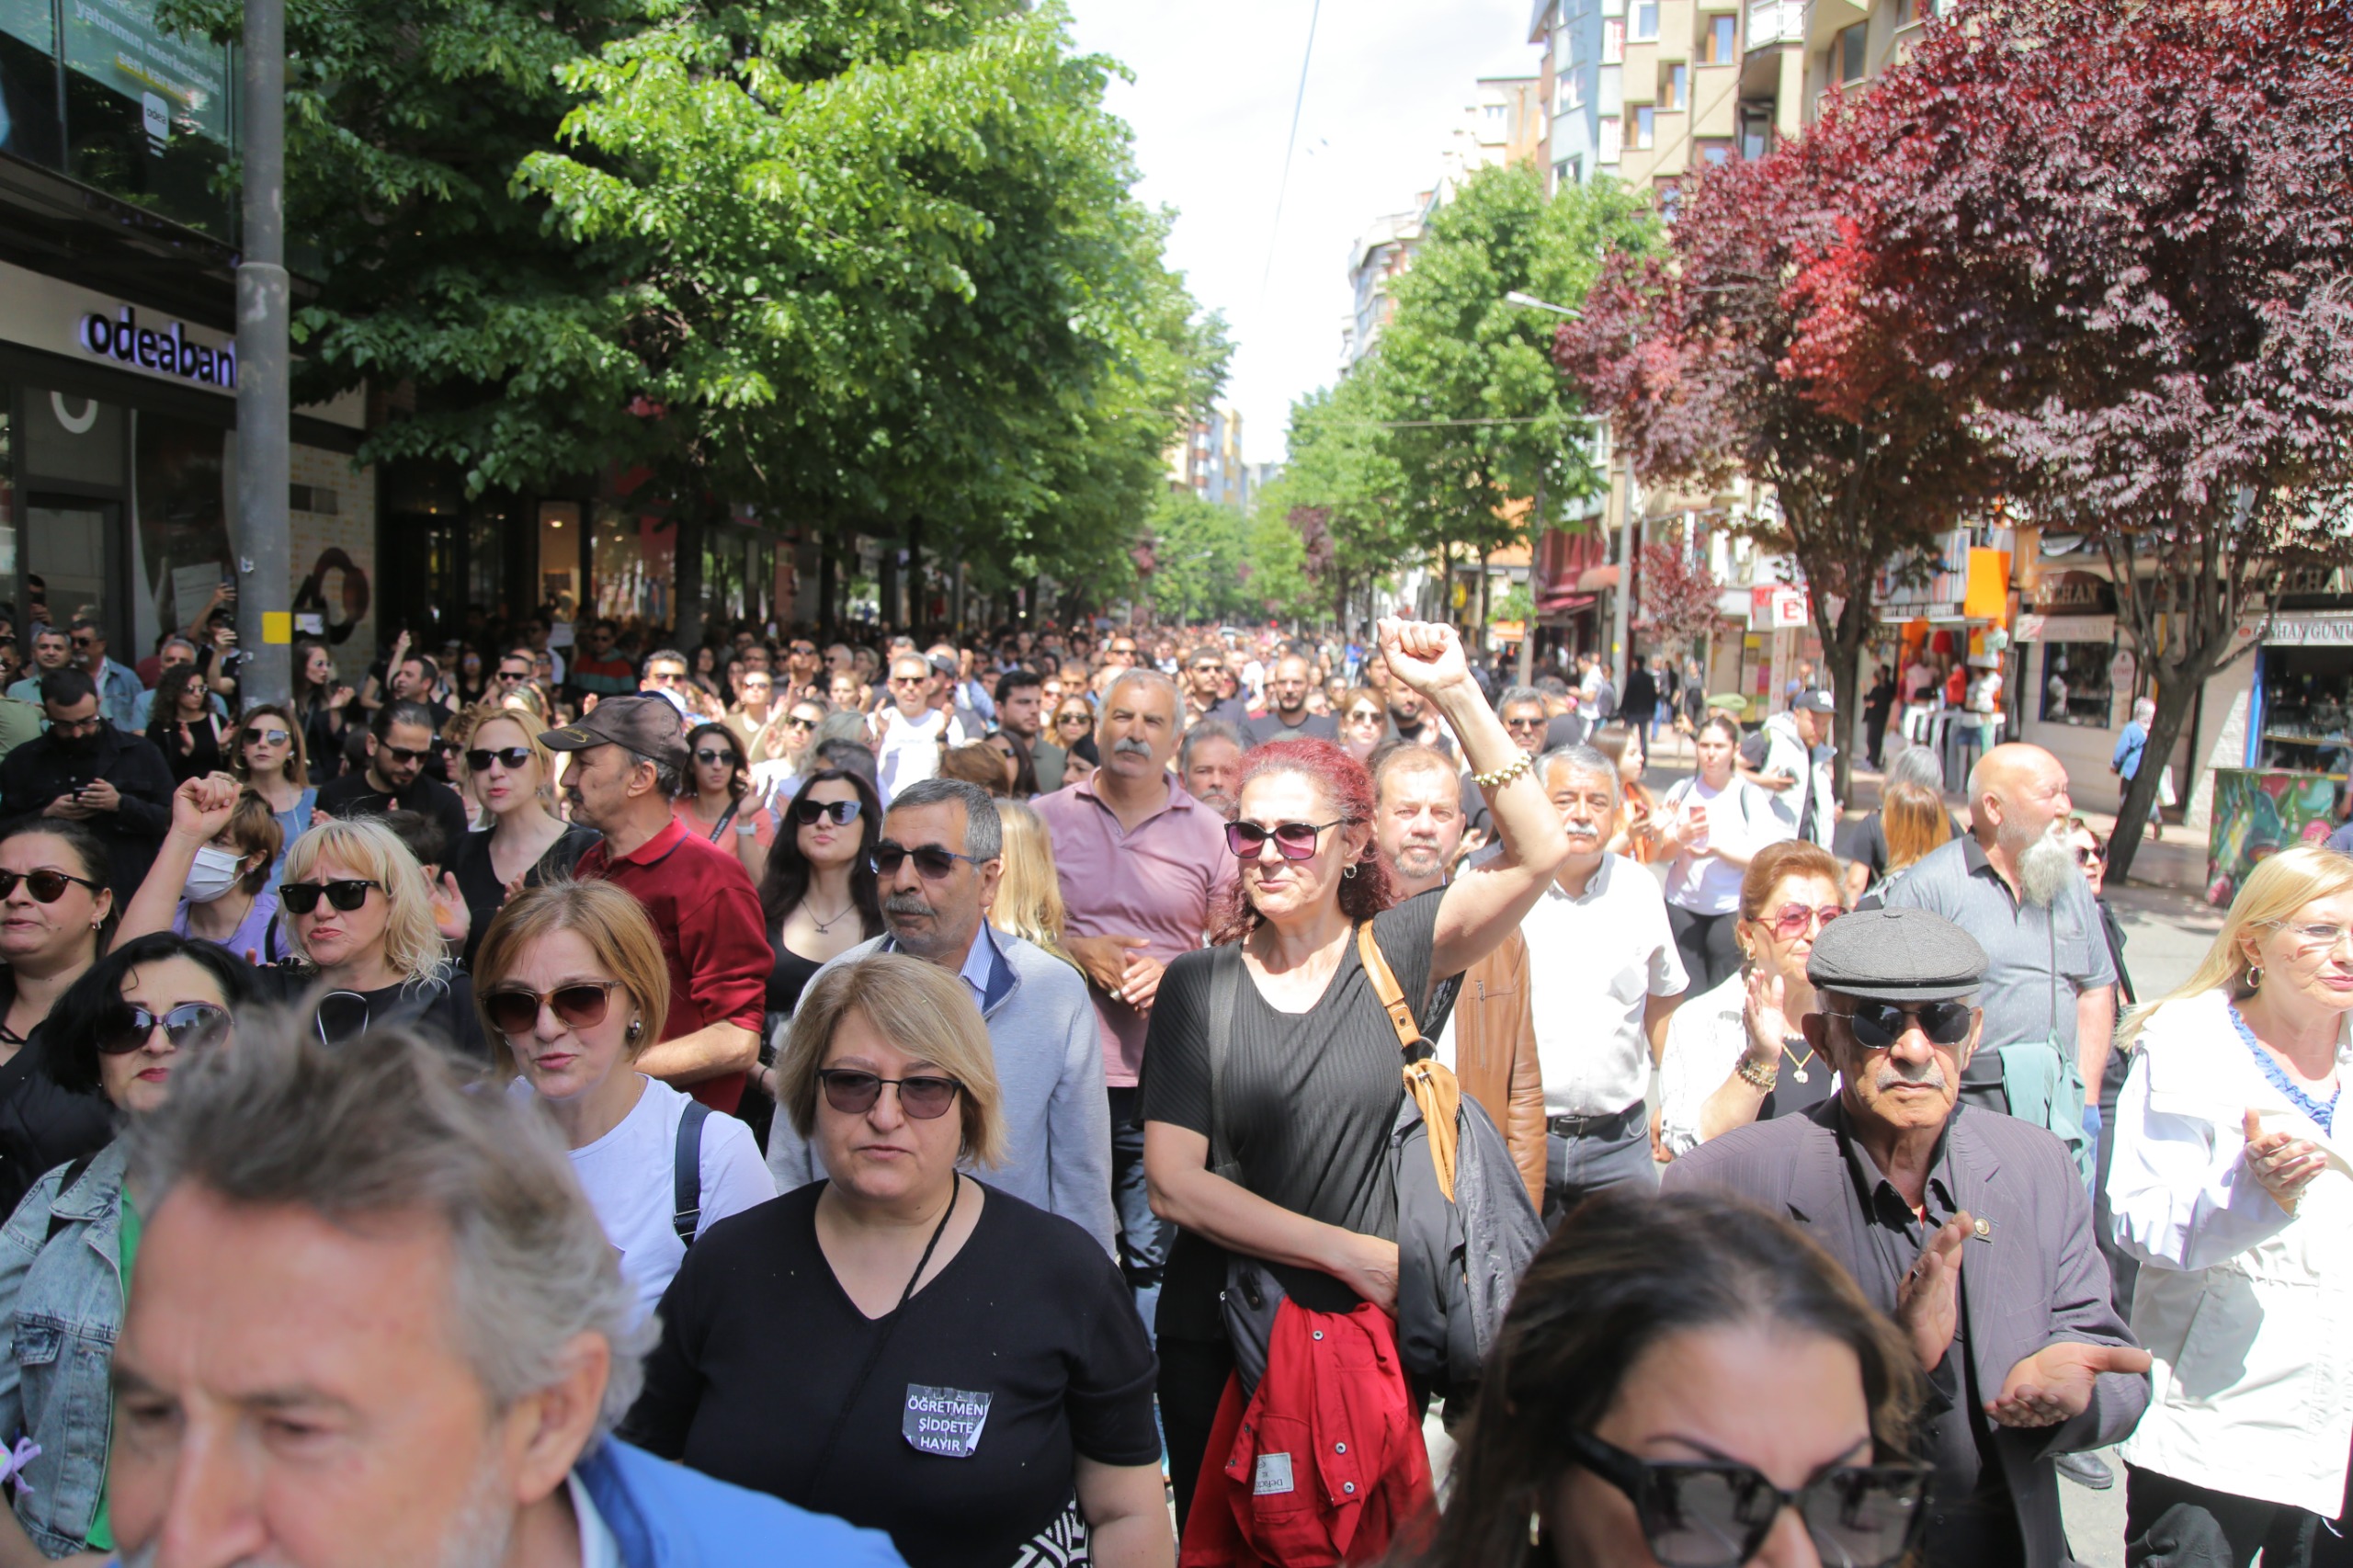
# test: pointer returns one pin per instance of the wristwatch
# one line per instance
(1761, 1079)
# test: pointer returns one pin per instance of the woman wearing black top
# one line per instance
(56, 913)
(526, 844)
(903, 1345)
(321, 708)
(1314, 1073)
(819, 894)
(183, 725)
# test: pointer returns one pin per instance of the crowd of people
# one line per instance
(1036, 1099)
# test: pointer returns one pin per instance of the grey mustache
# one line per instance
(1130, 743)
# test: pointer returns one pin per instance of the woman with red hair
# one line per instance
(1309, 1074)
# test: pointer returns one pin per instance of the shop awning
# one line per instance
(1552, 607)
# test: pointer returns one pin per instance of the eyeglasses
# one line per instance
(47, 886)
(1879, 1025)
(667, 677)
(909, 680)
(1209, 666)
(844, 813)
(706, 756)
(1073, 716)
(580, 1005)
(931, 861)
(1364, 716)
(345, 893)
(403, 753)
(1525, 722)
(1791, 919)
(89, 726)
(853, 1093)
(1293, 840)
(507, 757)
(189, 1024)
(267, 737)
(2313, 939)
(1718, 1516)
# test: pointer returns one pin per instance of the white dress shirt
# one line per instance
(1595, 961)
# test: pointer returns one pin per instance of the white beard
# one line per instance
(2046, 866)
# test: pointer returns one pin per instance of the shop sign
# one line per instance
(2067, 629)
(2074, 593)
(1777, 608)
(171, 352)
(2310, 631)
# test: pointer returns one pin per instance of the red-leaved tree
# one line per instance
(2121, 231)
(1678, 597)
(1750, 349)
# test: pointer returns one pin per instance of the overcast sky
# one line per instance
(1212, 106)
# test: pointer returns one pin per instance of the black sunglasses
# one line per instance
(46, 886)
(580, 1005)
(189, 1024)
(844, 813)
(508, 758)
(1293, 840)
(345, 893)
(932, 862)
(708, 755)
(403, 753)
(1879, 1025)
(853, 1093)
(514, 675)
(1718, 1516)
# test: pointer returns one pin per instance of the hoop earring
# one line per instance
(1350, 871)
(2254, 977)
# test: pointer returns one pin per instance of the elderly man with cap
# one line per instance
(628, 763)
(1970, 1229)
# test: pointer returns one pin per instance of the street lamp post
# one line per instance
(1620, 598)
(265, 588)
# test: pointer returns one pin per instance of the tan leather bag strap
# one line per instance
(1433, 1087)
(1385, 987)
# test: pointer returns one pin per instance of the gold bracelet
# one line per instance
(1761, 1079)
(1504, 775)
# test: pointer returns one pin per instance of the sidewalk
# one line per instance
(2174, 864)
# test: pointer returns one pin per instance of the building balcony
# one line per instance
(1773, 22)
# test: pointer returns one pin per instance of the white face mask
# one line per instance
(214, 873)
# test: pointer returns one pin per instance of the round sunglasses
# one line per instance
(46, 886)
(1293, 840)
(922, 1097)
(189, 1024)
(345, 893)
(579, 1005)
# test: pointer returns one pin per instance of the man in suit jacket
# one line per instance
(1970, 1229)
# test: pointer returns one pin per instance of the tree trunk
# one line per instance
(685, 573)
(915, 578)
(2177, 690)
(1842, 651)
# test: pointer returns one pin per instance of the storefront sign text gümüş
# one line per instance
(170, 352)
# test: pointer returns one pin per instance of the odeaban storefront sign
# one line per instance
(169, 351)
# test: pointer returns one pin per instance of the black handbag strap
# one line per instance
(1225, 981)
(686, 1173)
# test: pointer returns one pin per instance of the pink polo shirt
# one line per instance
(1156, 882)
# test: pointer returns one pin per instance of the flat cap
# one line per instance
(646, 724)
(1896, 955)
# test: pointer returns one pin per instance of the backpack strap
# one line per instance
(74, 1173)
(686, 1172)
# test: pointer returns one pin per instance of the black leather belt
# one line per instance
(1610, 1124)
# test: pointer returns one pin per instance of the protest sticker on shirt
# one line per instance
(946, 1422)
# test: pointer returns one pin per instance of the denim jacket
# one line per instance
(60, 1308)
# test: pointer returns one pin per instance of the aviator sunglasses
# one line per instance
(922, 1097)
(1293, 840)
(1879, 1025)
(345, 893)
(579, 1005)
(189, 1024)
(1718, 1516)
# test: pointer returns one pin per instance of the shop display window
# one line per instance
(183, 523)
(2075, 684)
(2307, 710)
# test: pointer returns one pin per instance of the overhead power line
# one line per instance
(1282, 190)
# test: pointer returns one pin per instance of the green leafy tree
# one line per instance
(1479, 422)
(1202, 564)
(1341, 491)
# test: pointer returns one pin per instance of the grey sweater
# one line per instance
(1049, 1081)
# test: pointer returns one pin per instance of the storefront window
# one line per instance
(2075, 683)
(182, 529)
(2305, 726)
(631, 565)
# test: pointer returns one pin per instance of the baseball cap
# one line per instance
(646, 724)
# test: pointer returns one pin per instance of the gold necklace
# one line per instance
(1797, 1067)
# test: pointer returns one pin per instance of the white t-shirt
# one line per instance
(908, 752)
(628, 1174)
(1596, 959)
(1740, 820)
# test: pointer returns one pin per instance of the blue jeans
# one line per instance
(1608, 1151)
(1143, 1235)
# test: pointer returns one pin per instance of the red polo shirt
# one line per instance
(708, 916)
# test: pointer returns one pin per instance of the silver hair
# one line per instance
(2144, 710)
(1919, 764)
(1518, 694)
(383, 1125)
(1579, 759)
(984, 830)
(841, 724)
(1141, 674)
(1207, 730)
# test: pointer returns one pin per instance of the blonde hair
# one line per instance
(2272, 895)
(1029, 892)
(917, 1007)
(370, 850)
(1913, 820)
(613, 923)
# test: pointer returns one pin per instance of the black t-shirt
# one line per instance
(353, 796)
(1270, 726)
(1310, 1100)
(478, 879)
(761, 1350)
(442, 1011)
